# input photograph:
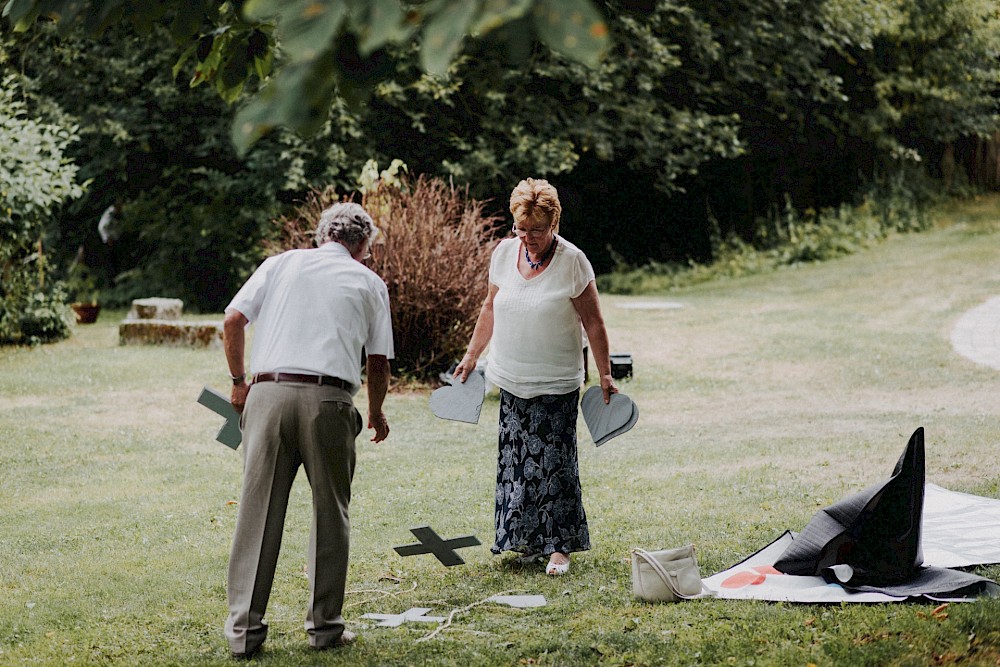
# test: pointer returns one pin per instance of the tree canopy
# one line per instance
(311, 51)
(680, 120)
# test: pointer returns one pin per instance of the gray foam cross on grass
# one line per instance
(431, 543)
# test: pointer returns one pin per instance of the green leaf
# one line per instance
(306, 28)
(262, 65)
(261, 10)
(573, 28)
(228, 94)
(186, 23)
(298, 96)
(16, 10)
(443, 35)
(184, 57)
(381, 22)
(495, 13)
(212, 55)
(234, 71)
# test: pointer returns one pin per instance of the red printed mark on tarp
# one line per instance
(753, 578)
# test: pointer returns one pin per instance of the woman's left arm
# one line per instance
(588, 306)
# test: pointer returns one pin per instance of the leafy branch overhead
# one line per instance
(306, 52)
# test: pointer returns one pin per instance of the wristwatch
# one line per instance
(238, 379)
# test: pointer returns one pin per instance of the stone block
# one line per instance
(170, 333)
(156, 308)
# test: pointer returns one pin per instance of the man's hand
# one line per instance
(378, 385)
(239, 396)
(234, 341)
(378, 422)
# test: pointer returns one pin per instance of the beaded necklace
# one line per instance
(544, 258)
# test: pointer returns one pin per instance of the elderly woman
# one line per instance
(541, 288)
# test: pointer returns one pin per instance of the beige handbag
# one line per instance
(667, 576)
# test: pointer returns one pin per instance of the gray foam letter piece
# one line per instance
(229, 434)
(606, 421)
(443, 550)
(460, 401)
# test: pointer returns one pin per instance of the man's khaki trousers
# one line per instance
(285, 425)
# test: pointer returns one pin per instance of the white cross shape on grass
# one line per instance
(396, 620)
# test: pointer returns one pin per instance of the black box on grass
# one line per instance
(621, 366)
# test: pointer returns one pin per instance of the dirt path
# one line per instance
(976, 335)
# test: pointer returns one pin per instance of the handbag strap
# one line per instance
(655, 564)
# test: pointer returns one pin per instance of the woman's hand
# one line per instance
(465, 366)
(608, 387)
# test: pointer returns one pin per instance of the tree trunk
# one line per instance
(993, 163)
(948, 165)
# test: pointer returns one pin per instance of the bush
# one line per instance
(787, 238)
(433, 254)
(35, 179)
(44, 317)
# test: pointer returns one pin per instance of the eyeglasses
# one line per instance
(521, 233)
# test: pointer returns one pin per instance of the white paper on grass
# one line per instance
(520, 601)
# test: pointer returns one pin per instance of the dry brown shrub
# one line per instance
(433, 254)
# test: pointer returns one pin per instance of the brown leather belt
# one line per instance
(302, 377)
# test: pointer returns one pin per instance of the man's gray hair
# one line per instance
(346, 222)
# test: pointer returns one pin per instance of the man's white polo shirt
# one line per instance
(313, 311)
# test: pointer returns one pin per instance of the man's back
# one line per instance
(314, 311)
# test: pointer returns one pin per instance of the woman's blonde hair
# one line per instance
(535, 199)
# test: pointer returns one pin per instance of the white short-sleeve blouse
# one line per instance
(537, 342)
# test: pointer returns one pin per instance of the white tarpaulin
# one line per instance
(960, 529)
(957, 530)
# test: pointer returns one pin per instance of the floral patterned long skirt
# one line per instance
(539, 505)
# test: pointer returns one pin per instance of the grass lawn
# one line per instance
(762, 400)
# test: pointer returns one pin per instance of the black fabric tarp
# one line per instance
(870, 541)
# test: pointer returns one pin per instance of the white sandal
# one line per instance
(557, 569)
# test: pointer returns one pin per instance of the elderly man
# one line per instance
(313, 311)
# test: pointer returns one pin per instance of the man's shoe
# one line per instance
(346, 638)
(248, 655)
